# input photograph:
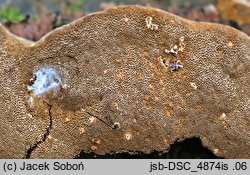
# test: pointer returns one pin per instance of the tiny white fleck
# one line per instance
(82, 130)
(92, 119)
(31, 102)
(181, 39)
(148, 21)
(154, 27)
(193, 85)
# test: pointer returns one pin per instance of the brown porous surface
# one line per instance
(120, 91)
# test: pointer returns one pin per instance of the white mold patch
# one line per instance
(45, 79)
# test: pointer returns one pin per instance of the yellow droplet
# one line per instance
(134, 120)
(96, 141)
(151, 86)
(161, 82)
(120, 75)
(126, 19)
(82, 130)
(93, 147)
(222, 116)
(156, 98)
(146, 97)
(230, 44)
(216, 151)
(105, 71)
(118, 60)
(92, 119)
(128, 136)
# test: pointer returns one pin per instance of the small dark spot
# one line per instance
(174, 67)
(101, 97)
(116, 126)
(32, 80)
(86, 61)
(234, 24)
(56, 80)
(164, 62)
(232, 75)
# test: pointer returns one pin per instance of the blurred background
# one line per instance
(32, 19)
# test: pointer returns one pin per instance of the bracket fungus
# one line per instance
(119, 93)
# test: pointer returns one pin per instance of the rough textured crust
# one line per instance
(112, 66)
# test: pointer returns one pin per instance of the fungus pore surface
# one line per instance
(130, 79)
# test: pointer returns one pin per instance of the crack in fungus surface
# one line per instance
(45, 136)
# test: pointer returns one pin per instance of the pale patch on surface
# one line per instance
(45, 79)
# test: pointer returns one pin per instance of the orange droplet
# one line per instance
(146, 97)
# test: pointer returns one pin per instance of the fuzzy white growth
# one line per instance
(149, 23)
(45, 79)
(31, 101)
(181, 39)
(173, 51)
(154, 27)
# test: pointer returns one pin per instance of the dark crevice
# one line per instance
(110, 126)
(190, 148)
(45, 136)
(77, 64)
(70, 57)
